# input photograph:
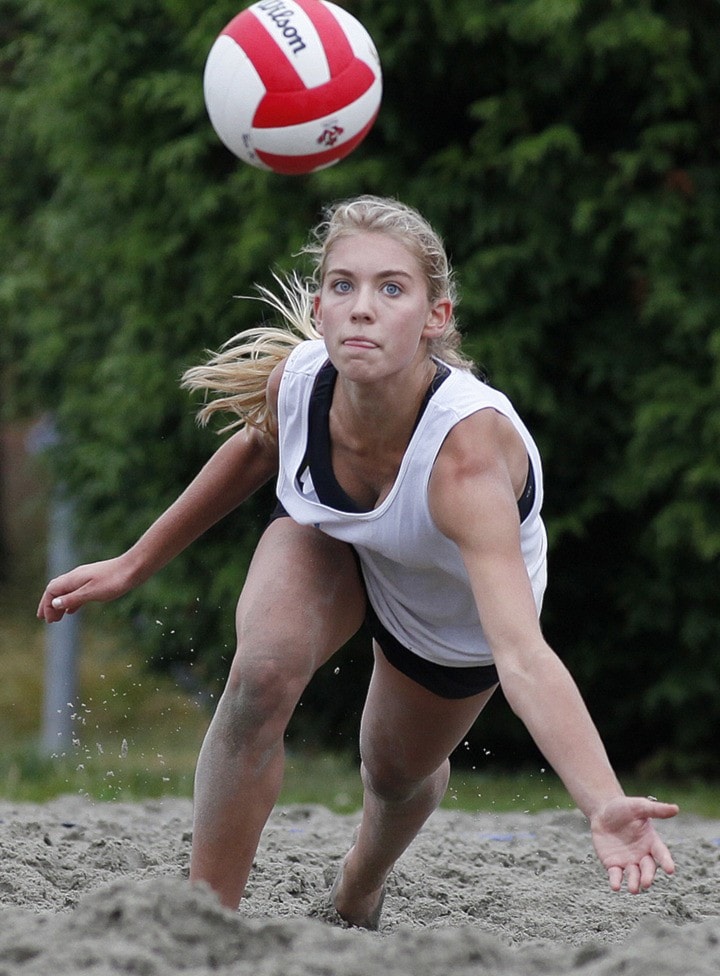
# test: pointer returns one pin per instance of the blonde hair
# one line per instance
(238, 373)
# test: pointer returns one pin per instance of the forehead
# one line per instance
(369, 251)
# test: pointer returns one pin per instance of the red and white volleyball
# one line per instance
(292, 85)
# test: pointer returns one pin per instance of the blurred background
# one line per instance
(568, 152)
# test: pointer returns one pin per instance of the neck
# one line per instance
(385, 411)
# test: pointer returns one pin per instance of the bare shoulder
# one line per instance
(273, 386)
(481, 467)
(266, 436)
(480, 443)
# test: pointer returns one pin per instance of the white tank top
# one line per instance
(415, 576)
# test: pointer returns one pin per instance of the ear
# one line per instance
(438, 318)
(317, 315)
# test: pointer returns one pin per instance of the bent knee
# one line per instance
(389, 781)
(396, 781)
(261, 692)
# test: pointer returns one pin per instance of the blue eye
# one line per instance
(341, 287)
(392, 289)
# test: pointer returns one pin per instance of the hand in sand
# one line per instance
(627, 844)
(101, 581)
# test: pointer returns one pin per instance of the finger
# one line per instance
(648, 807)
(50, 615)
(615, 877)
(65, 604)
(45, 610)
(648, 869)
(632, 878)
(663, 811)
(47, 607)
(54, 607)
(663, 858)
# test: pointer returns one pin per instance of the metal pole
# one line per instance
(62, 640)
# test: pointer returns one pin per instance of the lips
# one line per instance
(360, 342)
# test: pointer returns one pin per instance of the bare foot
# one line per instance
(362, 912)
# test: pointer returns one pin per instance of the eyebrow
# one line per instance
(390, 273)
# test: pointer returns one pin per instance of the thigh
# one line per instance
(303, 597)
(407, 731)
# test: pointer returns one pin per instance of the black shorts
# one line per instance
(440, 679)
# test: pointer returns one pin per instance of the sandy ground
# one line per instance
(89, 888)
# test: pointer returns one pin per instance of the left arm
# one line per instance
(473, 491)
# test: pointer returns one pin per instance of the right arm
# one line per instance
(244, 463)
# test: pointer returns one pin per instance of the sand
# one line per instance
(93, 888)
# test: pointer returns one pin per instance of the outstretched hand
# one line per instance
(101, 581)
(627, 844)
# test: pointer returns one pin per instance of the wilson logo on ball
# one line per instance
(292, 85)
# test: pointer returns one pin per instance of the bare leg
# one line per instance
(301, 601)
(406, 737)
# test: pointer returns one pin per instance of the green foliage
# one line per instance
(569, 153)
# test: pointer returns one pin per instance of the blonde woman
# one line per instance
(409, 496)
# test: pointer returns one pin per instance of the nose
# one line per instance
(363, 309)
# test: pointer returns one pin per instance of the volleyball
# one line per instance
(292, 86)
